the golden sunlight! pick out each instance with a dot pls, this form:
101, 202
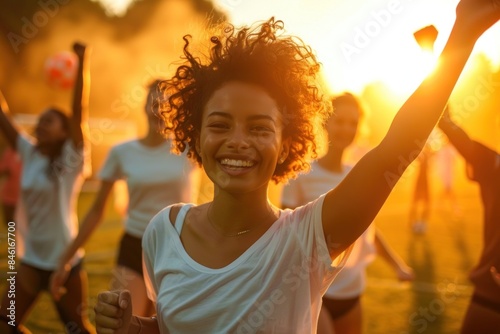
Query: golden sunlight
361, 42
358, 42
115, 7
403, 80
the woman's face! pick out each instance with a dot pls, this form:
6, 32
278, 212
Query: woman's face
241, 139
50, 129
343, 126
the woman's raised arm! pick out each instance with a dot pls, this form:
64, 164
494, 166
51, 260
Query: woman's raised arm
79, 117
6, 126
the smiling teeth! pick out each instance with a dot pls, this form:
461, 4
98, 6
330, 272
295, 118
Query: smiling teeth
236, 163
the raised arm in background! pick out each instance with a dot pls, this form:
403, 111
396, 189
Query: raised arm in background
79, 116
456, 135
7, 128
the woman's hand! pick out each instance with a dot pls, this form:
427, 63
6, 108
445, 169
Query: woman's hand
113, 312
79, 49
57, 280
405, 274
476, 16
495, 274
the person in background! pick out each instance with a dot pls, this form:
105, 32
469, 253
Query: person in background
155, 178
445, 162
483, 167
342, 311
420, 205
54, 166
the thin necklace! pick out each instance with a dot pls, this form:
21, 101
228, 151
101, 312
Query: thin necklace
237, 234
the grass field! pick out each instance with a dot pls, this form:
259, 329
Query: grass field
433, 304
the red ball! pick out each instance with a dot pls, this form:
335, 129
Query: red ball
60, 69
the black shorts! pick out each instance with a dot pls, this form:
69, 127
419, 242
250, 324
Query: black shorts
44, 275
490, 304
339, 307
130, 253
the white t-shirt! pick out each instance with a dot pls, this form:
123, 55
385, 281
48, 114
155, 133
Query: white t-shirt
155, 179
351, 280
275, 286
48, 221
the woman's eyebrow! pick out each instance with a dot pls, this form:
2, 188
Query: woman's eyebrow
261, 117
219, 113
250, 118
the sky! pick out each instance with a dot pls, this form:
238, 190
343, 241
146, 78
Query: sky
358, 41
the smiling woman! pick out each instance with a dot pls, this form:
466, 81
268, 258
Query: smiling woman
241, 116
246, 110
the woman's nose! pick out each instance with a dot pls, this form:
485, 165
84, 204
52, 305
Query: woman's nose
238, 139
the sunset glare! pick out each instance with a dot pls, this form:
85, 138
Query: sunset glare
360, 42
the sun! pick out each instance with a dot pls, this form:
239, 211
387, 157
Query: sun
115, 7
405, 76
397, 61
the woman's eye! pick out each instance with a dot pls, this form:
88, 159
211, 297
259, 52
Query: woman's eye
261, 128
218, 126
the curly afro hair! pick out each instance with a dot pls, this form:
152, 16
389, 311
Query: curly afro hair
282, 65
